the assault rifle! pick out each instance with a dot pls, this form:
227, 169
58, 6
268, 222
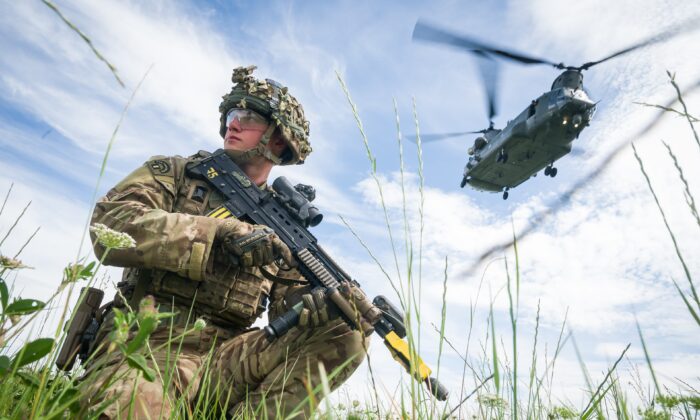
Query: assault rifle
289, 212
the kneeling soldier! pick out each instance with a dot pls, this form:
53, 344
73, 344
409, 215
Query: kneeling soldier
196, 266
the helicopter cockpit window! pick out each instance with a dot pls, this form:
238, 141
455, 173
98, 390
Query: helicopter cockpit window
479, 143
560, 96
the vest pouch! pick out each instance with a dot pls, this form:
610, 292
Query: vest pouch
248, 292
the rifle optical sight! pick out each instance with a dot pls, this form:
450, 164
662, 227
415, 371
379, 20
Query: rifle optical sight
297, 199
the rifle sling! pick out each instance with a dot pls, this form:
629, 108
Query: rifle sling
282, 280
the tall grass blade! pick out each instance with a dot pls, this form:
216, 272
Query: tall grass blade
692, 311
27, 242
679, 97
86, 39
472, 311
443, 318
421, 190
514, 330
586, 375
648, 359
106, 155
406, 225
686, 270
375, 177
514, 309
7, 197
607, 376
470, 395
371, 254
494, 352
14, 224
532, 397
689, 199
668, 109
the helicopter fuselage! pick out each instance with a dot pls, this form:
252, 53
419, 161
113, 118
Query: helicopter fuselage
535, 139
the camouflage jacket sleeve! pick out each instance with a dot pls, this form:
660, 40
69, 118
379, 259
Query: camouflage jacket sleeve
141, 205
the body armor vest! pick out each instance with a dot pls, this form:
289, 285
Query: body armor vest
227, 296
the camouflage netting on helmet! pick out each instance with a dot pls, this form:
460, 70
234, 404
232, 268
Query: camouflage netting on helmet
273, 101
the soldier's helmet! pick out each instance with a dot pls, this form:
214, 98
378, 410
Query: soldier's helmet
272, 100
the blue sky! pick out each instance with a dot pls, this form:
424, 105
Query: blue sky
605, 257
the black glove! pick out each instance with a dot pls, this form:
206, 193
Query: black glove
247, 245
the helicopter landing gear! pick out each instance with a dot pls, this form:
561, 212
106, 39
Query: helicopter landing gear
502, 156
550, 171
505, 193
464, 182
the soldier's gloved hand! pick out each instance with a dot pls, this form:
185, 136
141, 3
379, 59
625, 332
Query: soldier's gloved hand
247, 245
316, 311
361, 306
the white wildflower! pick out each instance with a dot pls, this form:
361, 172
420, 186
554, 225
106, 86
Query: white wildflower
110, 238
199, 324
493, 401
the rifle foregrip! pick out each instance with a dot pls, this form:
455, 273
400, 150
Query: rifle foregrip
280, 325
437, 389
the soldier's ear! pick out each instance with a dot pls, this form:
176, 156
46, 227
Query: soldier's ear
277, 144
277, 140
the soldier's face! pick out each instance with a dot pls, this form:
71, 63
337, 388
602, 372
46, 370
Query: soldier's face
244, 129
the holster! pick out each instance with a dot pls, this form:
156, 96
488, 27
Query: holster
81, 331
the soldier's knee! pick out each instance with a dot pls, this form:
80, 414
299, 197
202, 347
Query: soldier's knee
129, 396
356, 344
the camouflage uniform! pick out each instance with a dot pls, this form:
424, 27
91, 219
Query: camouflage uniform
229, 362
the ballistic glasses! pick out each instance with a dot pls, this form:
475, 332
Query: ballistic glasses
247, 119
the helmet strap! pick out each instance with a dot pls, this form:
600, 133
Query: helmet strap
262, 146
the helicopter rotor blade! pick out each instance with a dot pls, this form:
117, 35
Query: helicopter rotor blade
430, 138
425, 32
488, 70
688, 25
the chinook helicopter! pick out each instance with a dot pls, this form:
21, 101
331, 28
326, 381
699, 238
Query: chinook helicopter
501, 159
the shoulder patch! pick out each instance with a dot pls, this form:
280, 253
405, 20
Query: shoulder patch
164, 170
160, 167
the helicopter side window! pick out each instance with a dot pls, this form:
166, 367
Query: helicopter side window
557, 97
